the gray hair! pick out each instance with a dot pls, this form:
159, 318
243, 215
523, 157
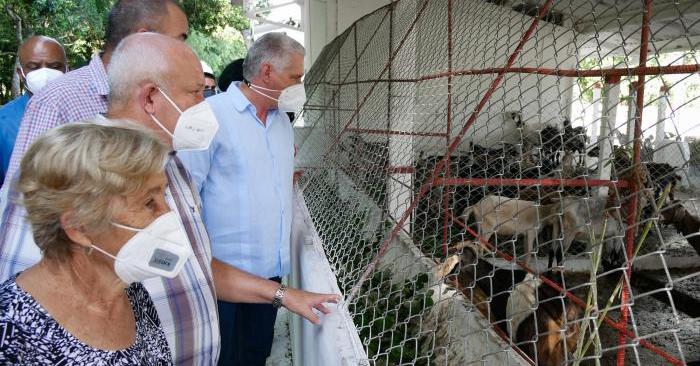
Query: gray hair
140, 57
274, 48
80, 169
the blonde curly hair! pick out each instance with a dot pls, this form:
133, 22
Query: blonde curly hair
80, 169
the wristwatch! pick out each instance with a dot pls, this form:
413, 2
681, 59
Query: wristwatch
279, 296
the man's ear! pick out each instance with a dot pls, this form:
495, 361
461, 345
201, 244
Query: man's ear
75, 234
147, 93
266, 71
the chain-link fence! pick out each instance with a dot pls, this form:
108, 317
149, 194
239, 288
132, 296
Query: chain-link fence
511, 182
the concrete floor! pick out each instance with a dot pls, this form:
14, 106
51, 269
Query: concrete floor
281, 354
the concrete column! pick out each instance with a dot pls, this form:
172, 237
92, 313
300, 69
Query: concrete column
610, 100
314, 19
662, 103
401, 154
595, 124
631, 112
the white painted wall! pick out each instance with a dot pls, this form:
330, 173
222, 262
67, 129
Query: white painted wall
323, 20
335, 342
484, 37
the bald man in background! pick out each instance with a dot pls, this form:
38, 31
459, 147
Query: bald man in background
41, 60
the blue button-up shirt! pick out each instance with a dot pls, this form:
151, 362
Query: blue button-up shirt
10, 117
245, 181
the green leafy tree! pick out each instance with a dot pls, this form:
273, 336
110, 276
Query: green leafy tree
216, 35
218, 49
80, 26
77, 24
211, 16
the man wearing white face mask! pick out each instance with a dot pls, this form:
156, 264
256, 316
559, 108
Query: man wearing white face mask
41, 60
245, 180
155, 81
167, 98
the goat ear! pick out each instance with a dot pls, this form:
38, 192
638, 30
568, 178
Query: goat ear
447, 267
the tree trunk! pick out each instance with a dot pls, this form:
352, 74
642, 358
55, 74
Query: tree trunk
18, 32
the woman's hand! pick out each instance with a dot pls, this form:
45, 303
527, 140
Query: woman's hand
303, 302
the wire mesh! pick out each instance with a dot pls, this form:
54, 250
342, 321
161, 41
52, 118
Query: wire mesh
511, 182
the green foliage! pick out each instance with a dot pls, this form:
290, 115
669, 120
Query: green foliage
77, 24
586, 84
218, 49
389, 318
211, 16
80, 26
592, 63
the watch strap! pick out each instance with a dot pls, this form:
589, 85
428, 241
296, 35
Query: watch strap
279, 296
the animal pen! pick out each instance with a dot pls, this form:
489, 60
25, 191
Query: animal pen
425, 109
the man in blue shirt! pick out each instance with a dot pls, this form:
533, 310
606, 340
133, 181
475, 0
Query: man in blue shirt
41, 59
245, 181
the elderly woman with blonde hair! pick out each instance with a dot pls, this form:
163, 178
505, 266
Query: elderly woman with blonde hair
95, 198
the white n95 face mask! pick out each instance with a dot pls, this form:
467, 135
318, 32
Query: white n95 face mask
195, 129
38, 79
291, 98
160, 249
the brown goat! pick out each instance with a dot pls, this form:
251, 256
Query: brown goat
551, 333
540, 333
685, 222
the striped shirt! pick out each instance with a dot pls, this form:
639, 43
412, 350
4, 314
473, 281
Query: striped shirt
79, 94
186, 305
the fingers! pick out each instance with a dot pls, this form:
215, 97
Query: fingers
310, 316
320, 307
305, 304
331, 298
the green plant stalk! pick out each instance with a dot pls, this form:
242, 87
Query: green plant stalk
618, 288
592, 299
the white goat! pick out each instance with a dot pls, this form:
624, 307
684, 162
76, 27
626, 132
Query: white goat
583, 220
507, 216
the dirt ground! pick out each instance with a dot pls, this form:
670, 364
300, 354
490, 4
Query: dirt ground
659, 316
656, 321
662, 323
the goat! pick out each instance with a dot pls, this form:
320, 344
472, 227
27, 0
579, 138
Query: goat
507, 297
684, 222
539, 334
661, 174
492, 162
575, 139
507, 216
568, 169
581, 220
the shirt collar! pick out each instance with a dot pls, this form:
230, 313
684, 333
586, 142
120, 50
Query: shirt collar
99, 75
240, 102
